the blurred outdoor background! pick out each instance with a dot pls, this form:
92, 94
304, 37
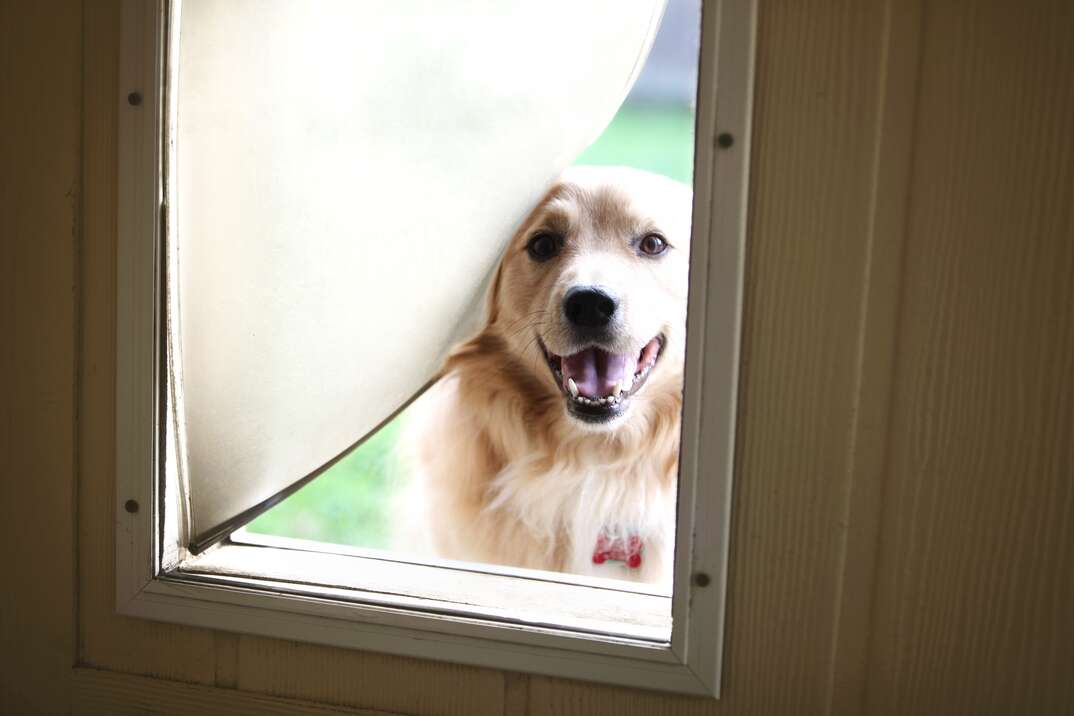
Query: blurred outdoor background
653, 130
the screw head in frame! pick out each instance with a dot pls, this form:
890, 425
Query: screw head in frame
725, 140
134, 99
131, 506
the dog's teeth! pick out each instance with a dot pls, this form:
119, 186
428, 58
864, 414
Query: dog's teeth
572, 387
624, 384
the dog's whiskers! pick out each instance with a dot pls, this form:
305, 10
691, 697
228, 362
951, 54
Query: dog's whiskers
513, 329
527, 316
532, 342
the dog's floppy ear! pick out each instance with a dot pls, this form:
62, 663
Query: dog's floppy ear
492, 299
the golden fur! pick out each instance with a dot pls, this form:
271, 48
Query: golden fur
501, 473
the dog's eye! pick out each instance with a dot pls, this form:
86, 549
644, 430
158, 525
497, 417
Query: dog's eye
653, 245
544, 246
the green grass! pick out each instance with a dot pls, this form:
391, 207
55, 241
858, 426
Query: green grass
345, 505
348, 503
657, 138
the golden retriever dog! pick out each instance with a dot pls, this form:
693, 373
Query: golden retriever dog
551, 440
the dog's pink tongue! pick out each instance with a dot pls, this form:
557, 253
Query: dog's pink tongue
598, 373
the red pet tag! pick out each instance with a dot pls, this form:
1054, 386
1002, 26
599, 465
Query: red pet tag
618, 549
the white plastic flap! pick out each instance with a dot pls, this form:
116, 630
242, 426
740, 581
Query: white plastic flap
347, 174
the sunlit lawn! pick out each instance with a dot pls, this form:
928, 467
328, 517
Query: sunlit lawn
345, 505
657, 138
348, 504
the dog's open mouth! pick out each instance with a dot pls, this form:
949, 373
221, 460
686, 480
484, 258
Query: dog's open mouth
596, 383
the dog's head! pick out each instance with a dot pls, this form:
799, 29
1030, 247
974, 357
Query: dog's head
591, 293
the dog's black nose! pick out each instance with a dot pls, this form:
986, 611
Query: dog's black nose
589, 307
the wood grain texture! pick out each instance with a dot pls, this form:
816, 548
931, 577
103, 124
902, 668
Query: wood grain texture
110, 693
40, 200
975, 590
361, 679
516, 694
877, 333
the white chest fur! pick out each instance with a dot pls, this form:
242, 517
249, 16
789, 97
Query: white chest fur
566, 503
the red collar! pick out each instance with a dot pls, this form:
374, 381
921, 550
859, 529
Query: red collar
618, 549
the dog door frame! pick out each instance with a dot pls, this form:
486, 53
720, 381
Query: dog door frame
156, 576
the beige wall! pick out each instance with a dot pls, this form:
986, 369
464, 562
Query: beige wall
903, 537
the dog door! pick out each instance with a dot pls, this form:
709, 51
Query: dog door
311, 195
